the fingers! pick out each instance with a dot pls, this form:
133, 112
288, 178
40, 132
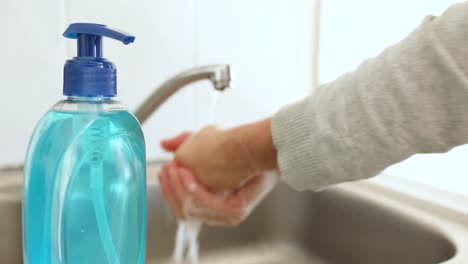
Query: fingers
178, 187
255, 187
189, 199
172, 144
255, 190
168, 191
211, 202
249, 190
200, 196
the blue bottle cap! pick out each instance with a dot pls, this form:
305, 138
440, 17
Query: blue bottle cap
89, 74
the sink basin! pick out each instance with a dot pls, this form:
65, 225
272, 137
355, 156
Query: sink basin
331, 226
347, 224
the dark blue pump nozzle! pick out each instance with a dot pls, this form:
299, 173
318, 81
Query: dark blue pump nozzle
89, 74
90, 37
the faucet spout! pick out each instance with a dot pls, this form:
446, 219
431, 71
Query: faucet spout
219, 75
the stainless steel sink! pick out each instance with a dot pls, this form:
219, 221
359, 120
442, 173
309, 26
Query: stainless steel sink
332, 226
354, 223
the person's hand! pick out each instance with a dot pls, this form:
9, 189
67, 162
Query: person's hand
214, 160
189, 199
223, 160
219, 160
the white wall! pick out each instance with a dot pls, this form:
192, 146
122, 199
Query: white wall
353, 31
269, 43
30, 70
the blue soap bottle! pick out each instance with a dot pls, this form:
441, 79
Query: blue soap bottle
84, 177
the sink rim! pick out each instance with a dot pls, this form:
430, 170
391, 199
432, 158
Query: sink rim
449, 219
448, 222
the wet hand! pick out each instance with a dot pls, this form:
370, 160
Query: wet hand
218, 158
215, 177
190, 199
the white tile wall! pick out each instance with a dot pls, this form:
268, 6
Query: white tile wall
268, 42
352, 31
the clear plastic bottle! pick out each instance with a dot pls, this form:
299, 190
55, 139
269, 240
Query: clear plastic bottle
85, 181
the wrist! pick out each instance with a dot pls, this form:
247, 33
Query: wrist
263, 149
255, 145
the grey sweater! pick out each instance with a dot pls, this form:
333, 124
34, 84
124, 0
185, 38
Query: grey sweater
412, 98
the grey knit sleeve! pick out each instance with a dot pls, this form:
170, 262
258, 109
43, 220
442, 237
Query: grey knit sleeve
412, 98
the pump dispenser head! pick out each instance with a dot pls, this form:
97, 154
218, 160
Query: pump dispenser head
89, 74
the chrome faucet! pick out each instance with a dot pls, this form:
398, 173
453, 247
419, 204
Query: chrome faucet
219, 75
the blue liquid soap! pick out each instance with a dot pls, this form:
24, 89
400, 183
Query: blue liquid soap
84, 196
